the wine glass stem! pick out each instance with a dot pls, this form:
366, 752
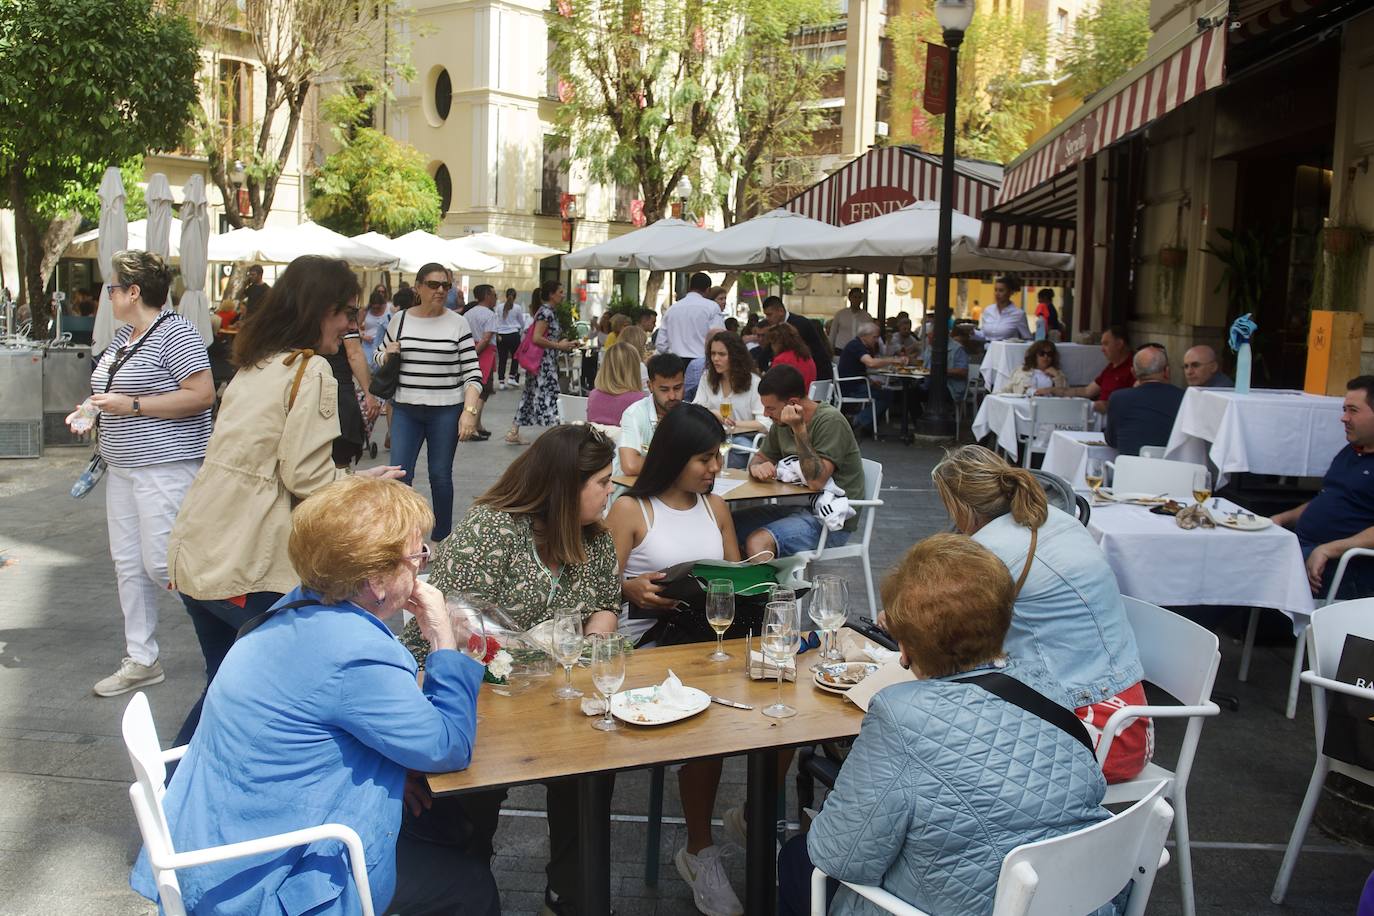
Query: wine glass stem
780, 673
608, 708
720, 643
567, 675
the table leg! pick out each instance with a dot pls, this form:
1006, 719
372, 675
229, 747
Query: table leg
906, 413
761, 813
594, 842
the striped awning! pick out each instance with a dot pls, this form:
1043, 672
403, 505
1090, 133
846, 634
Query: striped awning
889, 178
1036, 208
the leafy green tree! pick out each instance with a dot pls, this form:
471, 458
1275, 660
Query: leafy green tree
1106, 43
84, 84
1003, 87
374, 181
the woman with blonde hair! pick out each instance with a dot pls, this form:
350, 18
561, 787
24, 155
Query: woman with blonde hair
1039, 371
618, 385
1068, 617
316, 718
619, 322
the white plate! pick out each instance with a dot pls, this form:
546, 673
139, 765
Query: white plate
1242, 522
867, 667
639, 707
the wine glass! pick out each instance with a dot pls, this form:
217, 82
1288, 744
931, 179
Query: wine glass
720, 613
608, 672
1202, 485
469, 629
1093, 470
829, 597
781, 627
567, 648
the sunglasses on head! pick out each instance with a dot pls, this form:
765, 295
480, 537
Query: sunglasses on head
439, 285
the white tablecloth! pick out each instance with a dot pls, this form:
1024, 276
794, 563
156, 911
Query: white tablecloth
1081, 362
1157, 561
1068, 453
1005, 415
1262, 431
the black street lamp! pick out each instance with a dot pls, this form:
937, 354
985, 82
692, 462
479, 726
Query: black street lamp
954, 17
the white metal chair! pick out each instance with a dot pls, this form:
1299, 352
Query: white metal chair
1152, 451
866, 398
1070, 874
572, 409
822, 392
146, 793
1153, 476
857, 546
1049, 414
1180, 658
1326, 637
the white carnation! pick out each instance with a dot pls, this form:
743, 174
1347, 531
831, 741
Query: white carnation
501, 664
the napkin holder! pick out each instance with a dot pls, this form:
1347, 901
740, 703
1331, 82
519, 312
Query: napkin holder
760, 668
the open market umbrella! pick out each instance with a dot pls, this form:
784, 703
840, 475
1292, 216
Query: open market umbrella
633, 250
195, 237
159, 235
744, 246
234, 245
503, 247
87, 244
418, 248
114, 236
283, 244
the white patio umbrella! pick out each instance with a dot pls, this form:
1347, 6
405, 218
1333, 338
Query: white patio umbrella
418, 248
501, 246
234, 245
158, 194
283, 244
905, 241
195, 234
114, 236
746, 245
87, 244
632, 250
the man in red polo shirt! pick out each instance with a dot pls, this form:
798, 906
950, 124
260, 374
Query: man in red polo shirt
1118, 374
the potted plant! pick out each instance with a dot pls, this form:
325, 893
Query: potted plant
1172, 257
1340, 268
1342, 240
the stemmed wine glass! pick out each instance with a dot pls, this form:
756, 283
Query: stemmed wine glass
720, 613
469, 629
781, 629
829, 597
1093, 470
1202, 485
567, 648
608, 672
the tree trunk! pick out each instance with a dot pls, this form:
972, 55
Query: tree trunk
731, 278
651, 288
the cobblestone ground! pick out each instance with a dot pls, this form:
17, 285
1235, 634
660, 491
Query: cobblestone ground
68, 837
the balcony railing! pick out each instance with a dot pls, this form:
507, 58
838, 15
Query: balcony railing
546, 201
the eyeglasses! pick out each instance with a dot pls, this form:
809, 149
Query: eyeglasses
421, 558
111, 287
439, 285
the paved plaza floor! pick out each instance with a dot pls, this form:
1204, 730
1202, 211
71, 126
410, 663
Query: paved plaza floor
67, 832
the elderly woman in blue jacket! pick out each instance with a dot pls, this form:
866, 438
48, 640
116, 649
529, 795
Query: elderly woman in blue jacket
946, 776
316, 717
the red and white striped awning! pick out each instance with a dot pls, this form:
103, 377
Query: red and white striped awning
1035, 204
889, 178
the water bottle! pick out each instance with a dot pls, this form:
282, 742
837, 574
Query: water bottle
1243, 368
89, 477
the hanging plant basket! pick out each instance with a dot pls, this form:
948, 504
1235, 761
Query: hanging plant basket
1340, 240
1172, 257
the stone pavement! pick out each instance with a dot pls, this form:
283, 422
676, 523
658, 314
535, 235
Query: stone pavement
67, 833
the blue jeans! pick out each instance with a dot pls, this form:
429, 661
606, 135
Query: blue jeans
794, 530
437, 428
882, 398
217, 624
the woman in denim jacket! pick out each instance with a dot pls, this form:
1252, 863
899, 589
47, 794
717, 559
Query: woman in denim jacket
1069, 617
946, 777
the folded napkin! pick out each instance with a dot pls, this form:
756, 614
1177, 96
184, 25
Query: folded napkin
593, 706
831, 505
858, 648
761, 669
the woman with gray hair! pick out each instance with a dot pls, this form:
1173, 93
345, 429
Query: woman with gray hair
153, 391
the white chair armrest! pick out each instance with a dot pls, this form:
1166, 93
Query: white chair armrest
1341, 565
303, 837
175, 753
1126, 714
889, 902
1316, 680
865, 502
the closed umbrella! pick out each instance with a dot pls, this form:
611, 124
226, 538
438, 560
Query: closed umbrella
632, 250
114, 236
159, 198
744, 246
195, 238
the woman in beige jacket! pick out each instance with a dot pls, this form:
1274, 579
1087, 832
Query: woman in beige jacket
271, 448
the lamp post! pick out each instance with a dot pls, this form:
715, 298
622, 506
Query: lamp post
954, 17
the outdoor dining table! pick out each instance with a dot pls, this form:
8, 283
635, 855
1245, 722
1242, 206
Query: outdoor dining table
903, 381
534, 737
1081, 363
736, 485
1068, 452
1263, 431
1007, 415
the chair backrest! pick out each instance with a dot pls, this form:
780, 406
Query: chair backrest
1081, 871
822, 392
1153, 476
1060, 413
873, 488
1330, 626
146, 794
572, 408
1057, 490
1178, 656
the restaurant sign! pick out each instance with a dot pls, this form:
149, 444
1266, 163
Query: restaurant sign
1073, 144
871, 202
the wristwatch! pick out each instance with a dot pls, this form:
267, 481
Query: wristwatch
471, 410
138, 411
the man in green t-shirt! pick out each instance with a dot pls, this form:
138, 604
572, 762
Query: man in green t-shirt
824, 444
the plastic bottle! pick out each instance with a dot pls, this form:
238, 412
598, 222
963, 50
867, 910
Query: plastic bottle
1243, 368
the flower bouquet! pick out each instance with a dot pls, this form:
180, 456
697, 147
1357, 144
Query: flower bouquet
512, 656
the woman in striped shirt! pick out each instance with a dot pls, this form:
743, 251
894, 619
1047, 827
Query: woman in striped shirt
436, 400
152, 386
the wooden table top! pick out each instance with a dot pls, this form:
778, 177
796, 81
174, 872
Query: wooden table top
751, 489
536, 736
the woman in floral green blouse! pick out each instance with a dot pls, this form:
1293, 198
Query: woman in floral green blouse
531, 544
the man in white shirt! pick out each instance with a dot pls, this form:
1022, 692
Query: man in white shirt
845, 324
481, 316
640, 419
686, 323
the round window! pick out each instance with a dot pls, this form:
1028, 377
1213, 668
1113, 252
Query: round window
443, 94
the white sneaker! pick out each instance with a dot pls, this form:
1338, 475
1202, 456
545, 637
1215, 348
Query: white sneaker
736, 828
130, 676
705, 874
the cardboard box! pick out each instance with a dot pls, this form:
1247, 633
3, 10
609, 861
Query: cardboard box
1333, 351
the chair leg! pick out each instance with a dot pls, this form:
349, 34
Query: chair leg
1184, 852
1249, 647
1295, 678
868, 582
1304, 821
653, 837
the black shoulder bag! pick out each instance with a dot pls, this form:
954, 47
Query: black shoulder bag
387, 377
1032, 701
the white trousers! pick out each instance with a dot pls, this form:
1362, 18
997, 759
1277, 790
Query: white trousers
141, 505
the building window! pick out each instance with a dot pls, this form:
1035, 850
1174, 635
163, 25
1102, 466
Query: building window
235, 97
554, 175
443, 95
551, 76
444, 183
624, 194
1062, 23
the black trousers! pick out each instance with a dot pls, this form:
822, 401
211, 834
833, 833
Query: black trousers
436, 880
506, 345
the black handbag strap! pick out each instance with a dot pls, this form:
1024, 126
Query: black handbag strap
254, 622
1032, 701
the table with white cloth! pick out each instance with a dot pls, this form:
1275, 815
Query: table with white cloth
1159, 562
1263, 431
1006, 415
1081, 363
1068, 452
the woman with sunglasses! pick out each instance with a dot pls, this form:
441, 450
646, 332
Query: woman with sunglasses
153, 389
436, 401
539, 402
1039, 371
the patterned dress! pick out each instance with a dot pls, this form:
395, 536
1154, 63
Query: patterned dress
539, 402
491, 554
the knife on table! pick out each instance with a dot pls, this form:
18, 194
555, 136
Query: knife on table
724, 702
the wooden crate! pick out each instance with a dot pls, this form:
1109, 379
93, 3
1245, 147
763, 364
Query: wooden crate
1333, 351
